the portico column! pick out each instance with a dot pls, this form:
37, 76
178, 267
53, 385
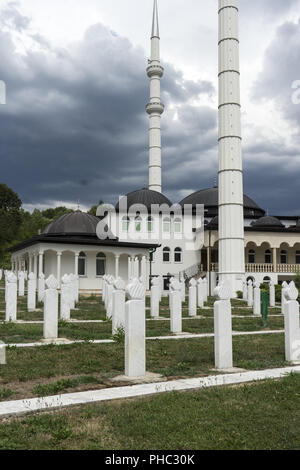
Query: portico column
117, 258
58, 256
76, 264
132, 266
274, 260
41, 254
129, 268
35, 259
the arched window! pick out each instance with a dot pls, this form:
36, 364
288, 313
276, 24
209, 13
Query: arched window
178, 255
125, 224
100, 264
297, 257
268, 257
177, 225
166, 225
150, 223
283, 257
166, 255
251, 257
267, 280
138, 223
82, 264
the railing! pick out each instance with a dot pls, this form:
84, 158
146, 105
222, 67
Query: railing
265, 268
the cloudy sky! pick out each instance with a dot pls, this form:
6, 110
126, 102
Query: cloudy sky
75, 128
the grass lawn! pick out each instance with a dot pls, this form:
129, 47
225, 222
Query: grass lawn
31, 367
261, 416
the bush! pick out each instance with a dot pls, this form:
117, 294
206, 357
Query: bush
239, 294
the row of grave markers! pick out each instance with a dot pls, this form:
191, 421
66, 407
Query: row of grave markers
131, 314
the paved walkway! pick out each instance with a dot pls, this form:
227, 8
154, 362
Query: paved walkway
22, 407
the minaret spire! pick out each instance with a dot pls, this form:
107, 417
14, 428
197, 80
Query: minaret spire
155, 108
155, 26
231, 208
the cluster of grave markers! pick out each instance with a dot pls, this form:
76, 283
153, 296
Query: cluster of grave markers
130, 316
252, 294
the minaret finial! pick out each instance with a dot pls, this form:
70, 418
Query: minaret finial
155, 26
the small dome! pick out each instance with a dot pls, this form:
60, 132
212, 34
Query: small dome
210, 199
268, 221
147, 197
75, 222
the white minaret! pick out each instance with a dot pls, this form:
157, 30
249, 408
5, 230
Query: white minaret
231, 209
155, 108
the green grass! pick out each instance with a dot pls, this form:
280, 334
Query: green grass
63, 385
261, 416
30, 367
5, 393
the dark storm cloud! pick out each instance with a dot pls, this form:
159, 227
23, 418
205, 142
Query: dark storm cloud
75, 126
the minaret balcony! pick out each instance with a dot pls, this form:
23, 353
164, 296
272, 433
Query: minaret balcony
155, 70
156, 107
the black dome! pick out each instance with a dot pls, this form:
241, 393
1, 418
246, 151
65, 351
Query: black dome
210, 199
147, 197
74, 222
268, 221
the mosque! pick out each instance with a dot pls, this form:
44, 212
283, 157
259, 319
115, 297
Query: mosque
147, 235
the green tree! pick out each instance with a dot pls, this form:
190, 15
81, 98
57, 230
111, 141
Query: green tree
10, 219
93, 209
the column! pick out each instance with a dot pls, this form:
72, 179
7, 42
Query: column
35, 269
117, 258
76, 264
41, 255
58, 255
30, 263
274, 260
129, 268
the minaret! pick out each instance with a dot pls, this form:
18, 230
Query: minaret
231, 209
155, 108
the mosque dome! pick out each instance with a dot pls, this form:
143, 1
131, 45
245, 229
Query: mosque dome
73, 223
146, 197
268, 221
210, 199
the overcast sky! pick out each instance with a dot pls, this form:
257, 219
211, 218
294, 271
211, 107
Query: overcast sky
75, 127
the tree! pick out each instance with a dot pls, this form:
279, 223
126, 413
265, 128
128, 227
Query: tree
93, 209
10, 217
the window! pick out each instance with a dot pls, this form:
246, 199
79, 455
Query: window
283, 257
178, 255
267, 280
150, 224
166, 225
82, 264
138, 224
100, 264
125, 224
251, 257
166, 255
268, 257
177, 226
297, 257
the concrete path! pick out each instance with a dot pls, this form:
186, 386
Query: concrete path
61, 342
23, 407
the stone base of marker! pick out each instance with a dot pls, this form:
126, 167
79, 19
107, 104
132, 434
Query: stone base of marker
231, 370
149, 377
223, 327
